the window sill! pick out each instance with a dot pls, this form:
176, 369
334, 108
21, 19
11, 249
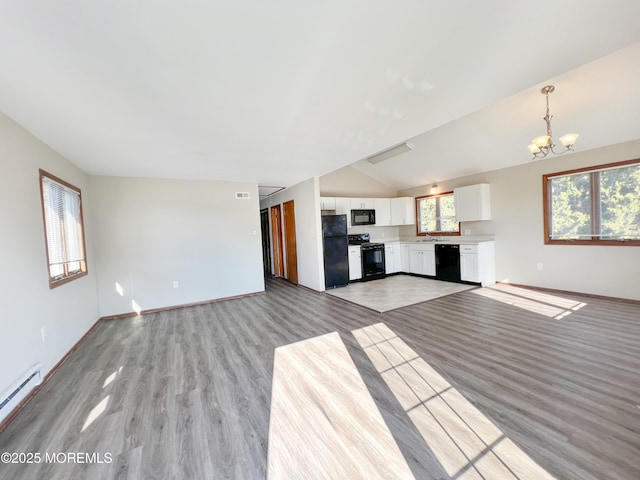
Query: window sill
56, 283
610, 243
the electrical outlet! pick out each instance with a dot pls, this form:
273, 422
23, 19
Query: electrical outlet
43, 331
539, 265
176, 284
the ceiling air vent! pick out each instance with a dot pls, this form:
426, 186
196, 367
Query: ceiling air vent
242, 195
390, 153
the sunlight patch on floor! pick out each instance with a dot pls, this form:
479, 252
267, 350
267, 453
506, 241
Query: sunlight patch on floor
324, 422
467, 444
95, 412
112, 377
537, 302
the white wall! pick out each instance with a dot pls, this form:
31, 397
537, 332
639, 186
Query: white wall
516, 207
28, 304
150, 233
349, 182
306, 197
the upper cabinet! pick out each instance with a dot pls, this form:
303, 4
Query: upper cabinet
343, 207
382, 207
403, 211
473, 203
327, 203
389, 211
362, 204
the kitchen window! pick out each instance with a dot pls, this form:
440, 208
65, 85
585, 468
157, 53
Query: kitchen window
63, 228
436, 215
593, 206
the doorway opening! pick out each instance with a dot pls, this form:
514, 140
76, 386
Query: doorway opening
266, 243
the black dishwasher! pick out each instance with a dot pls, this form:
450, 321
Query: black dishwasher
448, 262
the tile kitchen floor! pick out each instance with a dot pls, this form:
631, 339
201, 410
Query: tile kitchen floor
396, 291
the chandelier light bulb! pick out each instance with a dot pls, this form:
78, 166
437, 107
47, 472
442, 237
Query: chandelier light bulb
569, 139
542, 141
534, 149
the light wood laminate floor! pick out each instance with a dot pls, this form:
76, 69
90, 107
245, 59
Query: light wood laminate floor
186, 394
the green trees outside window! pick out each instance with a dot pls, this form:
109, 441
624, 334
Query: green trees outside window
437, 214
595, 205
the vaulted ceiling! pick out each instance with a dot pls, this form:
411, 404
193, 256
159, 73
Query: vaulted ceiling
277, 92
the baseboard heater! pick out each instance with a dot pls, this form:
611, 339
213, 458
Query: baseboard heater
31, 378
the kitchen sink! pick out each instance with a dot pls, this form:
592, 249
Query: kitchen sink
432, 240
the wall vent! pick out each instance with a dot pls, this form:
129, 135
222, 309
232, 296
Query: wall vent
30, 378
242, 196
390, 153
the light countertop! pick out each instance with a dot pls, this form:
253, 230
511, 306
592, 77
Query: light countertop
446, 240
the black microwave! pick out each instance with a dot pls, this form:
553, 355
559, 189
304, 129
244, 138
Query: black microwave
363, 217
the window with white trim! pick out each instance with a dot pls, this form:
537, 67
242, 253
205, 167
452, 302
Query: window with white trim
436, 214
595, 205
64, 229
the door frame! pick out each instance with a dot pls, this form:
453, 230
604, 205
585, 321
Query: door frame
276, 237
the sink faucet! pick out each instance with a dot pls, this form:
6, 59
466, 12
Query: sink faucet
435, 238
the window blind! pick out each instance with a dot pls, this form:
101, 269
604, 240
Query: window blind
63, 224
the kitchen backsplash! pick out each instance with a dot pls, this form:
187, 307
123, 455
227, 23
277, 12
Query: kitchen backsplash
376, 232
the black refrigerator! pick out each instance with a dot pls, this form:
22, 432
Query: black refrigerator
335, 245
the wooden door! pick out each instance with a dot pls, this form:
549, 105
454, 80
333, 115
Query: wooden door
290, 249
276, 238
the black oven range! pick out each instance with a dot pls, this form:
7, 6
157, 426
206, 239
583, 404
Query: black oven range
372, 255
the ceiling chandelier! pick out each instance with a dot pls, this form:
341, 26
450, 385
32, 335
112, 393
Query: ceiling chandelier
541, 146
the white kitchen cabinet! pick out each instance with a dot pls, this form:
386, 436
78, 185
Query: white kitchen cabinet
469, 263
473, 203
415, 261
362, 204
477, 263
392, 258
343, 207
404, 257
355, 263
389, 259
382, 207
422, 259
429, 262
403, 211
327, 203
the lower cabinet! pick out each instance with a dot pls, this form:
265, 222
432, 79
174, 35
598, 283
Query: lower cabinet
422, 259
355, 263
404, 257
392, 258
477, 263
469, 264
